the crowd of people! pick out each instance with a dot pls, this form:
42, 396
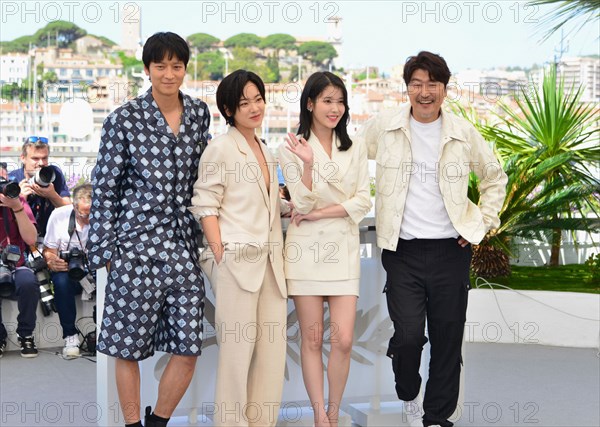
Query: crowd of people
36, 242
166, 206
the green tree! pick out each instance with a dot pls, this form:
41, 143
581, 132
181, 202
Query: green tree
10, 91
362, 76
293, 73
568, 11
278, 42
243, 59
130, 63
317, 52
548, 144
202, 41
273, 75
209, 66
243, 40
61, 32
19, 45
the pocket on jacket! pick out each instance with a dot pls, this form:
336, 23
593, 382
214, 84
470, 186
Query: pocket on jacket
386, 175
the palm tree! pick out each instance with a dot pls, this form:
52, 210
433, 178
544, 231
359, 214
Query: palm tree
547, 145
549, 125
567, 11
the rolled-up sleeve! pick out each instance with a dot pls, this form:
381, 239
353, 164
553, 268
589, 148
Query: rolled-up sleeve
360, 204
304, 199
211, 183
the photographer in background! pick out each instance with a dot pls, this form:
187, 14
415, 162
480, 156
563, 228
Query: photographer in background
17, 230
44, 186
67, 235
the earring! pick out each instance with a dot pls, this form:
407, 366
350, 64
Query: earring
309, 109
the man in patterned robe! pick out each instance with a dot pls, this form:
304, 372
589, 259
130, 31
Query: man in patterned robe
142, 231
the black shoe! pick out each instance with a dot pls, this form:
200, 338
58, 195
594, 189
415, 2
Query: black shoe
445, 423
2, 348
28, 347
152, 420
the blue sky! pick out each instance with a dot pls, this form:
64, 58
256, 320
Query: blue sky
469, 34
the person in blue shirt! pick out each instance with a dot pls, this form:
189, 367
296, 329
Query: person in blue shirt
42, 199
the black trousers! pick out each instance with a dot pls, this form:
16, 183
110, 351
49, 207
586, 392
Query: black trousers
428, 279
27, 295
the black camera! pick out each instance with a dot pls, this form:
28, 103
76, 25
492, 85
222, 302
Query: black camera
10, 189
77, 261
40, 269
9, 258
43, 177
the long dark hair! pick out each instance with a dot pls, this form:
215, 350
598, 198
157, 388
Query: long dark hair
315, 85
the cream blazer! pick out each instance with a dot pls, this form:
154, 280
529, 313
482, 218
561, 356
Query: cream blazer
231, 186
463, 150
327, 249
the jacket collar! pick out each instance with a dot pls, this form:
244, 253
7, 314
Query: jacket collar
450, 130
331, 170
244, 148
156, 119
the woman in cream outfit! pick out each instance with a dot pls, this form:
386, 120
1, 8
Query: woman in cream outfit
327, 176
237, 198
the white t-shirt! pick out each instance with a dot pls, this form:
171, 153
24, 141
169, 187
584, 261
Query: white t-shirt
57, 232
425, 216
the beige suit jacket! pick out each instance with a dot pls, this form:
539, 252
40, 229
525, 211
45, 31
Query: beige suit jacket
327, 249
231, 186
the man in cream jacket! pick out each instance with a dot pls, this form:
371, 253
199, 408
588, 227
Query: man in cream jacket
425, 226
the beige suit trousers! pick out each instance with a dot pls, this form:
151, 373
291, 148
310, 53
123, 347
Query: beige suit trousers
251, 333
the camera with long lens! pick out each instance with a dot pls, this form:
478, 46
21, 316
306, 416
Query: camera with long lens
76, 259
43, 177
10, 189
39, 267
9, 257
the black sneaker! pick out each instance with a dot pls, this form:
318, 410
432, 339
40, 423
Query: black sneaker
2, 348
28, 347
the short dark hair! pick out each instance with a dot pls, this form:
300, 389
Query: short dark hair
231, 90
164, 44
315, 85
434, 64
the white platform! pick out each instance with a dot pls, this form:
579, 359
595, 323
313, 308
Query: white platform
560, 319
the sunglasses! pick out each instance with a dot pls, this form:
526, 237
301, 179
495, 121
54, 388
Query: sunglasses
34, 139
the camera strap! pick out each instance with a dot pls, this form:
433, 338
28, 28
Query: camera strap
72, 228
6, 212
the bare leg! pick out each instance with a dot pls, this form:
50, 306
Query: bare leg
174, 382
343, 314
127, 374
310, 316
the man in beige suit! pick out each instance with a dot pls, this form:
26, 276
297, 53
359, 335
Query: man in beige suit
237, 198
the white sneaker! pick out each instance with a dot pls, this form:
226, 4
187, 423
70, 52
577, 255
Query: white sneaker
71, 348
413, 412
